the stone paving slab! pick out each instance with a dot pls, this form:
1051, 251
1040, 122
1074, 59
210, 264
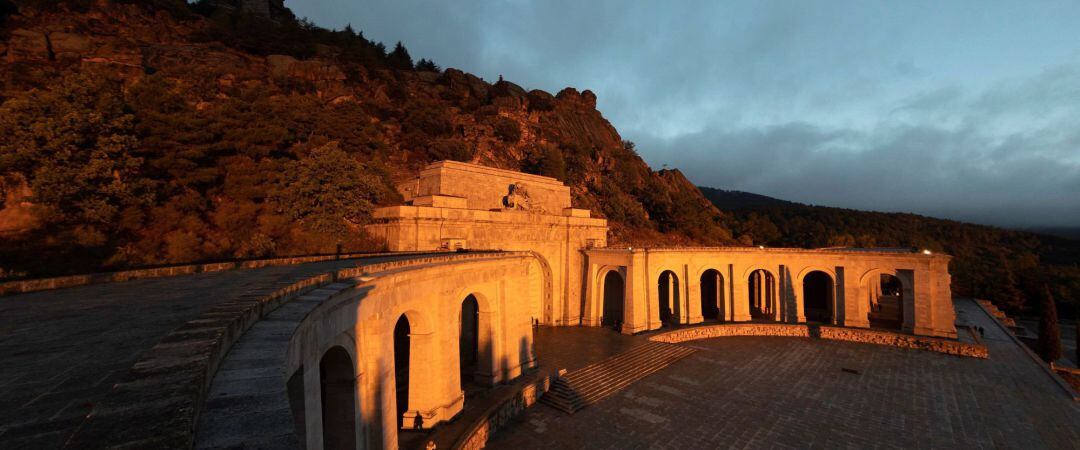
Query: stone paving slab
64, 349
774, 392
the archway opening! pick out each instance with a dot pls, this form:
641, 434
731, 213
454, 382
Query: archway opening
401, 367
712, 295
886, 302
295, 388
614, 290
468, 339
338, 392
762, 295
669, 298
818, 297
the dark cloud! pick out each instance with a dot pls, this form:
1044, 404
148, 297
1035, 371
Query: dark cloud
965, 110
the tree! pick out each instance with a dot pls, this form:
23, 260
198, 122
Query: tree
544, 159
1004, 292
427, 65
327, 189
75, 146
399, 58
507, 130
1049, 347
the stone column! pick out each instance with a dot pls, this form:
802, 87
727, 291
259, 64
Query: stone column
740, 298
693, 300
313, 404
797, 291
431, 393
852, 305
594, 298
488, 372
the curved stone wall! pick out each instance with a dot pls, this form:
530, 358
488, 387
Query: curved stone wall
286, 350
877, 337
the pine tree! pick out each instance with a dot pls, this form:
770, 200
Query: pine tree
1049, 347
427, 65
399, 58
1004, 292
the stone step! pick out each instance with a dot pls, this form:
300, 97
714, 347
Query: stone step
595, 382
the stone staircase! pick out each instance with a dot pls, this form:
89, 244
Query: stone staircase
590, 384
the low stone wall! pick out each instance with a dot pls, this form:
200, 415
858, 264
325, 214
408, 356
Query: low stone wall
500, 415
158, 404
44, 284
825, 332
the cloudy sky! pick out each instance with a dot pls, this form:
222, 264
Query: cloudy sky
962, 109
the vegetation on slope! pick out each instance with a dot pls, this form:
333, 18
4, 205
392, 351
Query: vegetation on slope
1006, 266
162, 132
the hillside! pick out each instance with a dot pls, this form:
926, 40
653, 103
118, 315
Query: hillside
1006, 266
137, 133
161, 132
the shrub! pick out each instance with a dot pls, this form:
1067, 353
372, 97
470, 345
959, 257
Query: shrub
507, 130
451, 149
544, 159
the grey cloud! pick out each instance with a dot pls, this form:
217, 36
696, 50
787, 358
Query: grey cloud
916, 106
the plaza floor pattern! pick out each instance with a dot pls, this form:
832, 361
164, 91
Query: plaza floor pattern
773, 392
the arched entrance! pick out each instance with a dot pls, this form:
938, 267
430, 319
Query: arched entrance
762, 295
402, 348
338, 393
818, 297
614, 290
468, 338
712, 295
669, 298
886, 302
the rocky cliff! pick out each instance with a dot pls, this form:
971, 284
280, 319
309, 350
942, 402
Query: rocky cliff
215, 107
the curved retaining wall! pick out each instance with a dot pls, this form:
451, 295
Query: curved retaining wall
825, 332
44, 284
159, 404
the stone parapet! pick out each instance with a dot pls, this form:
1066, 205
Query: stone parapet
44, 284
825, 332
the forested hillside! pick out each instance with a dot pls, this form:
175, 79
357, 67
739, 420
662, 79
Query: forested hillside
138, 133
142, 133
1006, 266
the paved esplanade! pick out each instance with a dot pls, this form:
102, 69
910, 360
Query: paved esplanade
62, 350
773, 392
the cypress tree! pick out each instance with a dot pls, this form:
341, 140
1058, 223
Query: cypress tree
1049, 335
399, 58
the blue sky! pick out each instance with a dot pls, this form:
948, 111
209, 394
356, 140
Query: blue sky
966, 110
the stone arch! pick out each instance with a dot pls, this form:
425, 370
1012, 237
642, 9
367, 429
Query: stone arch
547, 304
887, 307
337, 381
669, 298
611, 286
476, 337
711, 285
818, 291
763, 296
413, 345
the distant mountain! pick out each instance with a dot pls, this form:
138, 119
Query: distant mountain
730, 200
1065, 232
1006, 266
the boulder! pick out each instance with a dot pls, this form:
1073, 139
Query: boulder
27, 45
588, 98
69, 45
541, 100
505, 88
569, 94
279, 65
